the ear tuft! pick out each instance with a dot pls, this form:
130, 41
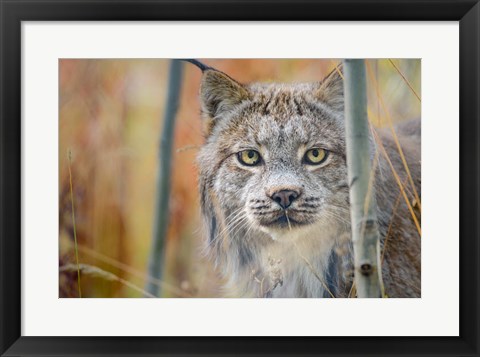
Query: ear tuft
330, 89
220, 94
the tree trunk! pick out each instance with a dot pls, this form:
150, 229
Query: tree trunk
365, 235
157, 253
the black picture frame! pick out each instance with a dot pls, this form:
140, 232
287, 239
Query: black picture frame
13, 12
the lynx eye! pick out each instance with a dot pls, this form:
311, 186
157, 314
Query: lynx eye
249, 157
315, 156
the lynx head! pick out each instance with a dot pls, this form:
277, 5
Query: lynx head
274, 157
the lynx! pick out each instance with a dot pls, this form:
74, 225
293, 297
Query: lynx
275, 194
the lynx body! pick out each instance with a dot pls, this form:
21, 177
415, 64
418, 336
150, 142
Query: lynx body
275, 196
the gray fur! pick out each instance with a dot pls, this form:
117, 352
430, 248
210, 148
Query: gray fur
310, 254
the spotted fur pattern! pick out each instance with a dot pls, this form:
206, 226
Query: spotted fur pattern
263, 250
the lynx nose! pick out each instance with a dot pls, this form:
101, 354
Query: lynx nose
285, 197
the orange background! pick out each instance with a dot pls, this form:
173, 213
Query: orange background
111, 114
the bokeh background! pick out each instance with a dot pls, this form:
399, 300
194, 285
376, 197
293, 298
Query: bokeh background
110, 122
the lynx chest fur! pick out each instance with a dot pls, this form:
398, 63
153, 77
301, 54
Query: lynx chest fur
275, 196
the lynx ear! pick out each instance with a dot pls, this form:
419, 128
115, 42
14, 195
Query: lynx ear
219, 94
330, 90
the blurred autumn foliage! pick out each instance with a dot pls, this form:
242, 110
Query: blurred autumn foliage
111, 115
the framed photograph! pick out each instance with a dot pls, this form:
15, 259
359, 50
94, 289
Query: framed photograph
239, 178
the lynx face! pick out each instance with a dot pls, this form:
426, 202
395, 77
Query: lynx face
274, 160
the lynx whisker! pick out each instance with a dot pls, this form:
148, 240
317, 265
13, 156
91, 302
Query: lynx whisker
288, 220
233, 218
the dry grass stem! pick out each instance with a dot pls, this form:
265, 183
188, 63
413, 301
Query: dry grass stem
400, 185
96, 272
314, 272
405, 79
387, 236
128, 269
394, 135
74, 225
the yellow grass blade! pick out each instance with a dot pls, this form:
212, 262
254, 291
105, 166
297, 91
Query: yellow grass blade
405, 79
395, 137
387, 236
399, 183
338, 69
